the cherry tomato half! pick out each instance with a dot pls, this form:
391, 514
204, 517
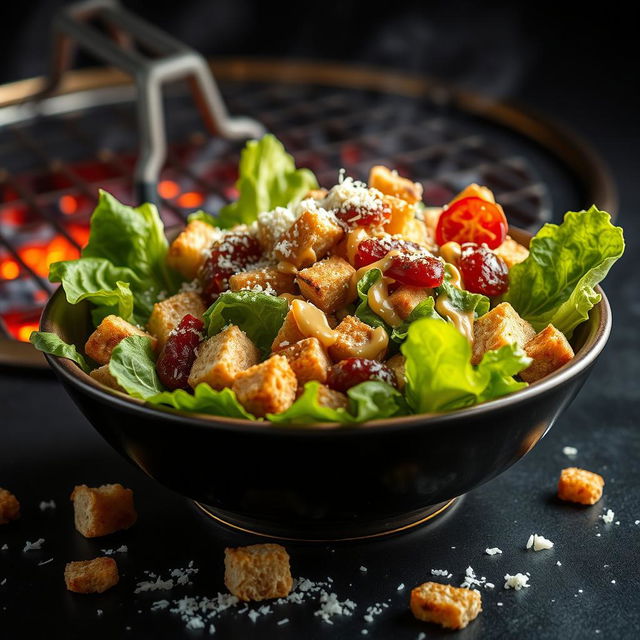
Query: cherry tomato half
472, 220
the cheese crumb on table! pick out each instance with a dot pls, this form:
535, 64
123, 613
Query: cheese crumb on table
44, 505
33, 546
492, 551
608, 516
539, 543
569, 451
517, 582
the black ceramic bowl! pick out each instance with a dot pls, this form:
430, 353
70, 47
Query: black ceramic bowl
325, 482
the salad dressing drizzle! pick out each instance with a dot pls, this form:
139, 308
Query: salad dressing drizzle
462, 320
378, 298
287, 267
450, 252
374, 347
354, 238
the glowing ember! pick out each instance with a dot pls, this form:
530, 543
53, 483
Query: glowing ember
168, 189
68, 204
190, 200
25, 331
9, 269
39, 257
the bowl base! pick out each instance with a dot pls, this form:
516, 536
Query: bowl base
391, 528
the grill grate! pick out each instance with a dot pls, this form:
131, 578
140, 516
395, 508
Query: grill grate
52, 165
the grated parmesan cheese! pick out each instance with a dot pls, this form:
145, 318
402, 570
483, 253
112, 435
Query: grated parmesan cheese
33, 546
47, 505
492, 551
441, 572
517, 582
363, 569
570, 451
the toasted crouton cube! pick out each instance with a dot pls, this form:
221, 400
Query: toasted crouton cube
580, 485
268, 387
405, 299
327, 284
9, 507
221, 358
257, 572
91, 576
450, 607
188, 251
99, 511
401, 214
103, 376
308, 360
166, 315
267, 279
110, 332
308, 239
499, 327
288, 334
511, 252
391, 184
352, 335
272, 224
549, 350
331, 398
397, 365
417, 231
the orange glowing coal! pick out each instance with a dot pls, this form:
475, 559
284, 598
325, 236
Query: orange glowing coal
190, 200
23, 332
68, 204
9, 269
168, 189
39, 257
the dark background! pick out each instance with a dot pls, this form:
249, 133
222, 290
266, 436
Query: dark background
579, 68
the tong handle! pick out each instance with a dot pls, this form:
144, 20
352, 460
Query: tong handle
159, 58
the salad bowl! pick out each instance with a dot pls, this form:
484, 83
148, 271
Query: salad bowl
325, 482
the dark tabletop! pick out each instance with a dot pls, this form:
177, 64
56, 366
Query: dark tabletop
46, 447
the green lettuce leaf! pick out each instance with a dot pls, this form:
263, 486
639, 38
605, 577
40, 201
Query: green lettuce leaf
461, 299
367, 401
203, 400
259, 315
440, 376
54, 345
555, 284
203, 216
133, 365
100, 282
122, 269
424, 309
268, 179
363, 310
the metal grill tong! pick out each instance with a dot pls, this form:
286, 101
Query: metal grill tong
153, 58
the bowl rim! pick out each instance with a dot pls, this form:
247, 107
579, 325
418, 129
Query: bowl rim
586, 355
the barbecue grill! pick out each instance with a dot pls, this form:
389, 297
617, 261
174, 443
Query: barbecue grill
58, 150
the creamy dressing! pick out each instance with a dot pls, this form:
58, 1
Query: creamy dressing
378, 298
354, 238
450, 252
462, 320
287, 267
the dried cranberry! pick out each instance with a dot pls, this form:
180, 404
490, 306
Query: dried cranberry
363, 216
373, 249
179, 352
416, 270
347, 373
482, 270
234, 253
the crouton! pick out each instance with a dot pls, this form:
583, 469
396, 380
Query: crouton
396, 364
268, 387
580, 485
430, 216
499, 327
391, 184
308, 360
110, 332
221, 358
450, 607
266, 279
257, 572
288, 334
91, 576
309, 239
9, 507
166, 315
331, 398
511, 252
549, 350
99, 511
103, 376
405, 299
401, 214
475, 191
188, 251
272, 224
416, 231
351, 335
327, 284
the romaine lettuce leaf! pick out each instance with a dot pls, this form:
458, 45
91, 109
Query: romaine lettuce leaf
268, 179
133, 365
100, 282
122, 269
203, 400
555, 284
462, 299
51, 343
367, 401
259, 315
440, 376
424, 309
203, 216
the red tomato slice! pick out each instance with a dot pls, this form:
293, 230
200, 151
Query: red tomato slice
472, 220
